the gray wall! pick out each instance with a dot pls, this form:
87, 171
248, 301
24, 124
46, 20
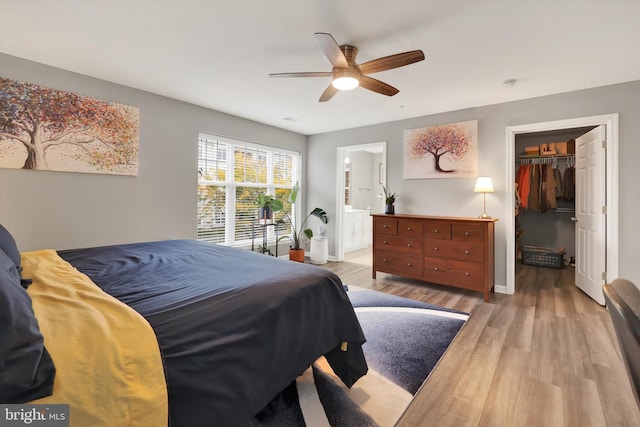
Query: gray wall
67, 210
455, 196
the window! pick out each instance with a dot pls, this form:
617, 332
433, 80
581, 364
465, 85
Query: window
231, 174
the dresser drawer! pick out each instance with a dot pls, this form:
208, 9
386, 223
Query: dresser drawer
451, 249
399, 263
466, 275
386, 226
437, 230
399, 244
468, 232
409, 228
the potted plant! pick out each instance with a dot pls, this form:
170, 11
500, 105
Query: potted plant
268, 205
389, 200
296, 252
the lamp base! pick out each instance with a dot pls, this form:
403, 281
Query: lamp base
484, 207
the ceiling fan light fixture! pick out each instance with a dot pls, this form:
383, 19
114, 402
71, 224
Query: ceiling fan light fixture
347, 74
345, 80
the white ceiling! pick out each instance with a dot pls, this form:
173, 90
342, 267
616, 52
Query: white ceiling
218, 54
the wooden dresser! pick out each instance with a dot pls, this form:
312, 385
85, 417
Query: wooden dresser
444, 250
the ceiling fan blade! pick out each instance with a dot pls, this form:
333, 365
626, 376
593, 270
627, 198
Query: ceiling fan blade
377, 86
332, 50
303, 74
390, 62
328, 93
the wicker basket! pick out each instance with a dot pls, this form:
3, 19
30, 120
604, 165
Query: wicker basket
542, 257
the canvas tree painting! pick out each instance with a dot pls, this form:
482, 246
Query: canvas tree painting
48, 129
442, 151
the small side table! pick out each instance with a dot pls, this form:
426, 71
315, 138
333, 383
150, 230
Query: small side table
265, 228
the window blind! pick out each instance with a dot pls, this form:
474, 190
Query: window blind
231, 175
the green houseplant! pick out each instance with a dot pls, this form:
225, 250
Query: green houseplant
389, 200
268, 205
296, 252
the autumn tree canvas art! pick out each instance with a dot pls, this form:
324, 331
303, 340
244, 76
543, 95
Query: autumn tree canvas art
442, 151
49, 129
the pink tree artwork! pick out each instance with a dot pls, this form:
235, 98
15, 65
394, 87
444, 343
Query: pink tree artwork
441, 151
49, 129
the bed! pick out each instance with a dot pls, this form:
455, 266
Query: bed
226, 330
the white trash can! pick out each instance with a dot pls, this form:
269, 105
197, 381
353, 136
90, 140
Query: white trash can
319, 250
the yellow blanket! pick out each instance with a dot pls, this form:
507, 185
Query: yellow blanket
108, 364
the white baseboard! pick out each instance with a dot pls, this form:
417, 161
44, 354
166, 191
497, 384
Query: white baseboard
500, 289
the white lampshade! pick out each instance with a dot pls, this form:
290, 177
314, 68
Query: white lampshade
345, 80
483, 185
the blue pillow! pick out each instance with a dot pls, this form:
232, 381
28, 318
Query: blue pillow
26, 369
9, 247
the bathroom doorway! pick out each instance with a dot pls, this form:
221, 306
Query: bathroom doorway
361, 173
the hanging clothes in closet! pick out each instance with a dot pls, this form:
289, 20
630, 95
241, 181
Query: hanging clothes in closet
569, 183
548, 188
534, 192
541, 184
523, 179
559, 182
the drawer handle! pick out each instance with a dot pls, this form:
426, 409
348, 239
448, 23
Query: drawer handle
384, 242
408, 264
385, 227
384, 260
466, 252
466, 274
409, 228
408, 245
435, 268
435, 249
435, 231
466, 233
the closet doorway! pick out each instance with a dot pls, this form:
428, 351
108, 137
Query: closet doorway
557, 227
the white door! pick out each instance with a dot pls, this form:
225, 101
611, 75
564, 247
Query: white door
591, 215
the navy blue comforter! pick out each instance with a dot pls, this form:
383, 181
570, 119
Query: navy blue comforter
234, 327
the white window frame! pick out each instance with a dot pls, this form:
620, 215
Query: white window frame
231, 186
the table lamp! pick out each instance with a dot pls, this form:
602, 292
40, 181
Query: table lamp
484, 186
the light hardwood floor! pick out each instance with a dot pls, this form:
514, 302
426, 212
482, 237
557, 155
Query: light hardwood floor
545, 356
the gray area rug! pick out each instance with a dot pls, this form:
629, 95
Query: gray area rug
405, 341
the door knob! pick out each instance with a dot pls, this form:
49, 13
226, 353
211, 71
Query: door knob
574, 219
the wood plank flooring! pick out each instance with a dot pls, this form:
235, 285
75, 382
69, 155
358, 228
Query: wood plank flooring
545, 356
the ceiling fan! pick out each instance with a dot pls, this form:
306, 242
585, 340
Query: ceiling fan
347, 74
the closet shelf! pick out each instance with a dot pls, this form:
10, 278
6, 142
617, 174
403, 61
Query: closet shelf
539, 160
